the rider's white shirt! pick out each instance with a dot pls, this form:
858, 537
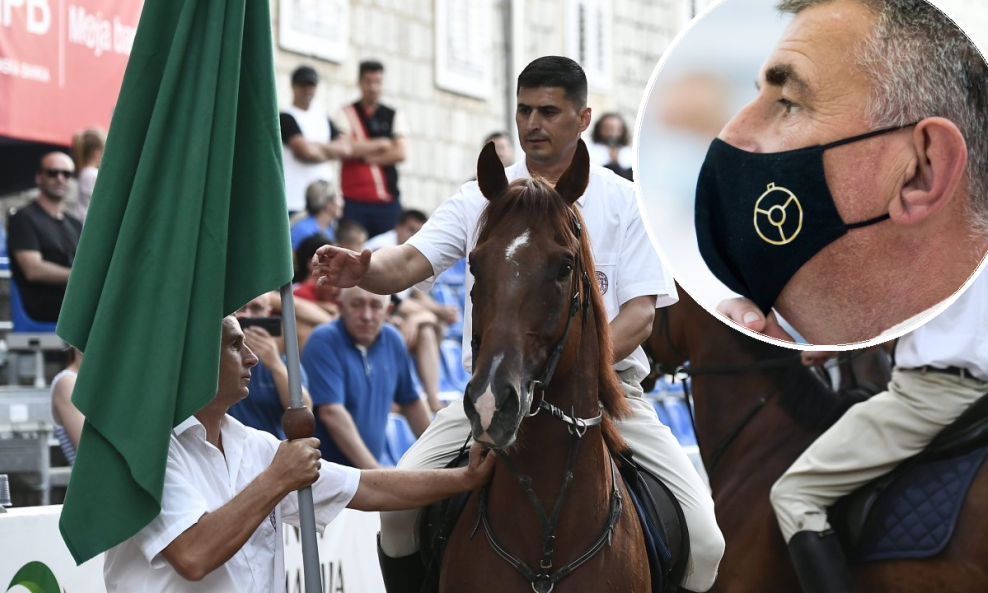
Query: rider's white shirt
627, 263
956, 337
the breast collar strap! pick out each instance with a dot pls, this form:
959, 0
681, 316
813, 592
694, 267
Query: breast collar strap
545, 579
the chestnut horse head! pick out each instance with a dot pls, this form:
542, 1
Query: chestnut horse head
533, 301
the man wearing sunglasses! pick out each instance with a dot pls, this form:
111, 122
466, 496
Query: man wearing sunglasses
42, 240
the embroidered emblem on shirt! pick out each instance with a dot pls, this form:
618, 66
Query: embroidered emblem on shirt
602, 282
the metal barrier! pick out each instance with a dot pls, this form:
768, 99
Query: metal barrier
26, 436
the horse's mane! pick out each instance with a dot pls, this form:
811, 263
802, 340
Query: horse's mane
804, 397
536, 200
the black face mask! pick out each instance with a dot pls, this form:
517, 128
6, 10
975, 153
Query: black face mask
760, 217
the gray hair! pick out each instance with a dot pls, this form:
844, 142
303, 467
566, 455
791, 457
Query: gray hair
922, 65
319, 193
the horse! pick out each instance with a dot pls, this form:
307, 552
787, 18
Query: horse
756, 409
556, 515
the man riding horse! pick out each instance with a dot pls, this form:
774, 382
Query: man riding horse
942, 369
551, 114
896, 93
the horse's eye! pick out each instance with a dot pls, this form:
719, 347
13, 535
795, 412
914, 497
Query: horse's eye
565, 271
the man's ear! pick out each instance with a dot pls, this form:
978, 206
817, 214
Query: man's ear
585, 117
941, 154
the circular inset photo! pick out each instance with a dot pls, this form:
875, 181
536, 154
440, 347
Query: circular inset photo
816, 171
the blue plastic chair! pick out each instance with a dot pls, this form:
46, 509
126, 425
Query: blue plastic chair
660, 410
450, 289
679, 421
23, 323
452, 376
399, 437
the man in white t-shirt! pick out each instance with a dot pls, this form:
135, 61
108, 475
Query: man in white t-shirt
228, 488
551, 114
942, 368
309, 141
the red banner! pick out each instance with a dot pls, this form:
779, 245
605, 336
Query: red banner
61, 64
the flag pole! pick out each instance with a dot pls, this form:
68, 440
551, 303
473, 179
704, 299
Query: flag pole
299, 423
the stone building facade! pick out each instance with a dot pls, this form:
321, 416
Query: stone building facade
625, 38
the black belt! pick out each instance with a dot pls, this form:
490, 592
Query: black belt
955, 371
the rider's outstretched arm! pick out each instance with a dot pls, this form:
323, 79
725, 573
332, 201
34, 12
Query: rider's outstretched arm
393, 269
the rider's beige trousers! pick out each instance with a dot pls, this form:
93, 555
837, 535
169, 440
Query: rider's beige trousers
871, 439
655, 448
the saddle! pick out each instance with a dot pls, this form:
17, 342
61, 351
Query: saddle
661, 516
667, 538
911, 512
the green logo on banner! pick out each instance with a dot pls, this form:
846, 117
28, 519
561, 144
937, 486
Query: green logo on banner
36, 577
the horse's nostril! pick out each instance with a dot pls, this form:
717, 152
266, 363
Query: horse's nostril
510, 403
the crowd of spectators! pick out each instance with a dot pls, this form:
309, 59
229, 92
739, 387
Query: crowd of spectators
341, 188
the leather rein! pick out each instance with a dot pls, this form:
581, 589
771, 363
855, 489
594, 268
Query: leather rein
544, 579
686, 371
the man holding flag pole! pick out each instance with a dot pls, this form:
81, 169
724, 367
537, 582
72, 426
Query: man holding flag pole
187, 223
228, 491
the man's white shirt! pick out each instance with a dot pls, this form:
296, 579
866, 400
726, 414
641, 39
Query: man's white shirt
957, 337
200, 479
298, 173
627, 264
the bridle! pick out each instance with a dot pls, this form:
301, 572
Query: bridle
545, 579
575, 305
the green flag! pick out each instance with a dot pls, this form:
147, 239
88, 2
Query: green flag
187, 223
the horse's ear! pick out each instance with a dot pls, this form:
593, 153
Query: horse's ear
490, 173
573, 182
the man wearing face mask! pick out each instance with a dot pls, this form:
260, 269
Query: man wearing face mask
869, 188
852, 194
42, 241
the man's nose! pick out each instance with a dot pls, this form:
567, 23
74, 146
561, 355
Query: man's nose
741, 131
532, 122
250, 359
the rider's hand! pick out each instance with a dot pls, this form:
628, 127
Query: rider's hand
744, 312
339, 267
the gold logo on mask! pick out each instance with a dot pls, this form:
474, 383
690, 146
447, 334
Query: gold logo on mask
779, 205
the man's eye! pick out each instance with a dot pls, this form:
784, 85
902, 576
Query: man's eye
787, 106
